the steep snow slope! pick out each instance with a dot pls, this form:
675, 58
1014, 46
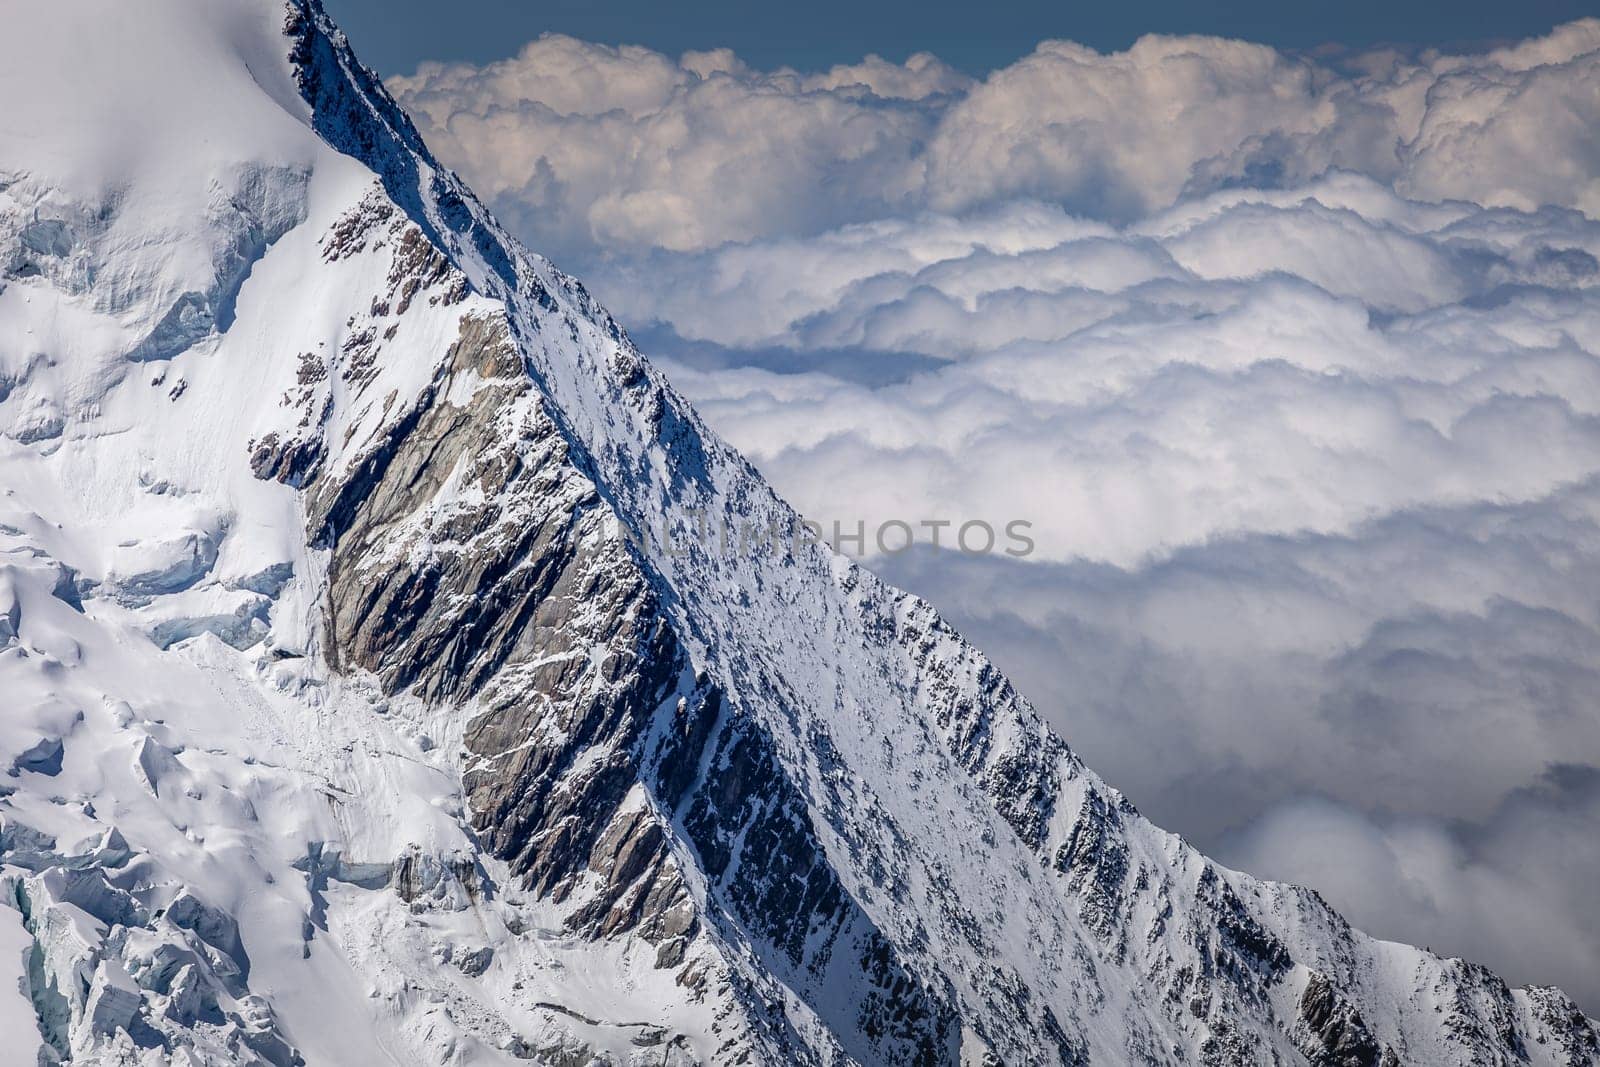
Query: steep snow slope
360, 709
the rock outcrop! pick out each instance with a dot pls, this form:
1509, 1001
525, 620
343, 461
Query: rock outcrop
394, 703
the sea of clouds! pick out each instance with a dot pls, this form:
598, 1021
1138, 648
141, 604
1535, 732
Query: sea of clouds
1292, 361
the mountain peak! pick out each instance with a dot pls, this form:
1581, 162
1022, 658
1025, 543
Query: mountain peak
374, 691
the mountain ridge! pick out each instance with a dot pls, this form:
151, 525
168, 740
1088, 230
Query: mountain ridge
680, 762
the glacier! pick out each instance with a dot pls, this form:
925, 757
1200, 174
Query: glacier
359, 707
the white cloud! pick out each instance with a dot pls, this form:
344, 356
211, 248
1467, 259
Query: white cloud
1469, 894
591, 148
1293, 364
1402, 716
586, 146
1274, 365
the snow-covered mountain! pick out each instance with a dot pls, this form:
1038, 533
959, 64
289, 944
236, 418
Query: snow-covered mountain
368, 699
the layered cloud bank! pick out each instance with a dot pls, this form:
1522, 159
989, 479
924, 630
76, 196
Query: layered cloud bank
592, 147
1293, 364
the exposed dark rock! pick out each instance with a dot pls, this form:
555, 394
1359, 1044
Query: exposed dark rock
649, 774
474, 963
1334, 1034
747, 824
1095, 859
541, 610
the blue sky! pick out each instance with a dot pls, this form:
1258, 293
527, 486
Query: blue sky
395, 35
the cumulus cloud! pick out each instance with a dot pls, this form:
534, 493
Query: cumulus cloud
1402, 716
1274, 363
1293, 364
1466, 893
585, 146
1313, 482
590, 148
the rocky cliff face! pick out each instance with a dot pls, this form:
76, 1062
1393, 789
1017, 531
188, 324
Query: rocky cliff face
425, 740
